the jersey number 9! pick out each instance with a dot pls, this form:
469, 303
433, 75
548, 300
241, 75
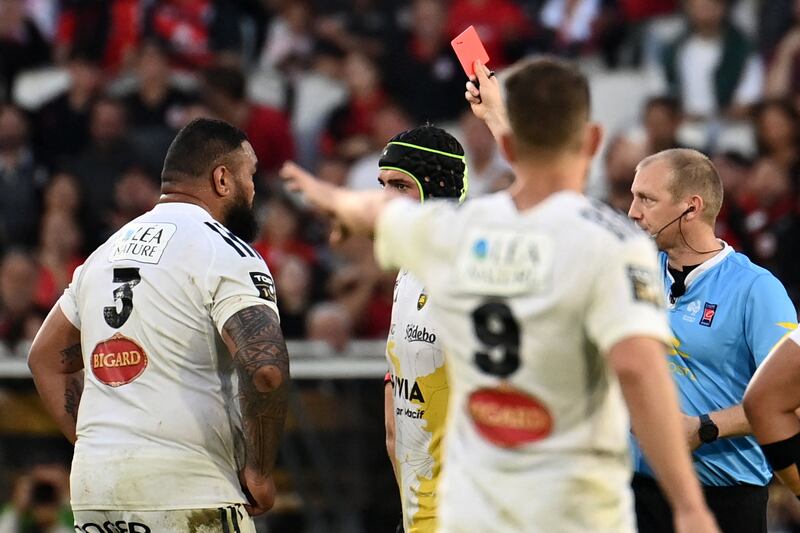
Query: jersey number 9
498, 330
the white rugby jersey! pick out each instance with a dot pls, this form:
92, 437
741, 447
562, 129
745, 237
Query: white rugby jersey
419, 384
158, 423
527, 304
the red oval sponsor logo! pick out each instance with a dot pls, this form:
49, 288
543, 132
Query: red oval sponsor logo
509, 418
118, 360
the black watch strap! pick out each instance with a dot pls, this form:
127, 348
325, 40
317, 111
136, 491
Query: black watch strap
708, 432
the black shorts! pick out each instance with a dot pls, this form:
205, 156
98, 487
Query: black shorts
738, 508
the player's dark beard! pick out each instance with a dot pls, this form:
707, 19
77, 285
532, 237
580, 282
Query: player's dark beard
241, 220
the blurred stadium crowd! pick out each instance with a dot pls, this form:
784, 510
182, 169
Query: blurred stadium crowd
92, 92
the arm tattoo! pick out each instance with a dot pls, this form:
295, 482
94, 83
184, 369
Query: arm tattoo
72, 357
72, 394
257, 342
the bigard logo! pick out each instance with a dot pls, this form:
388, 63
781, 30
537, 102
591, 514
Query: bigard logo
118, 361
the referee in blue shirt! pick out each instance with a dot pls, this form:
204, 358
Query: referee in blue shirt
726, 314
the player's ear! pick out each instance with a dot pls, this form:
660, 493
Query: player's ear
507, 148
593, 138
221, 180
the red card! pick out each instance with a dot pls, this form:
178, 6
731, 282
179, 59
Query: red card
469, 48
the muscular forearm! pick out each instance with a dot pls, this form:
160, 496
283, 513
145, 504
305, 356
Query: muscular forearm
359, 210
56, 363
498, 124
254, 338
731, 422
263, 417
650, 395
61, 395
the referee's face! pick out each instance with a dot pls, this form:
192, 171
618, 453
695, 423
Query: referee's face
653, 207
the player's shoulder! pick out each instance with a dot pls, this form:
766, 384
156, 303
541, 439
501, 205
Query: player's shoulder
602, 221
486, 203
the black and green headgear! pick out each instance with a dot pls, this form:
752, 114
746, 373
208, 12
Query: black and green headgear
433, 158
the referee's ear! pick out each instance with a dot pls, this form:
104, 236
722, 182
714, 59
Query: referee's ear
221, 180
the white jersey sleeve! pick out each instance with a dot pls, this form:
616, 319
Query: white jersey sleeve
69, 300
627, 299
409, 235
234, 283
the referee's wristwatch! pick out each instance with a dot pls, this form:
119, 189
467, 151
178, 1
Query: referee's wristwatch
708, 431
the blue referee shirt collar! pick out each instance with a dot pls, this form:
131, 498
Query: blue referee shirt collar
705, 266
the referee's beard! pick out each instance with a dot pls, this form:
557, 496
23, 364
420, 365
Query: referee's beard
240, 219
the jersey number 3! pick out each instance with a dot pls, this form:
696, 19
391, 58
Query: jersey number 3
129, 277
498, 330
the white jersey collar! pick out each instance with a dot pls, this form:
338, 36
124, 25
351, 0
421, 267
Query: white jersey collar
185, 208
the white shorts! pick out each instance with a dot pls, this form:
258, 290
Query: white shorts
230, 519
574, 495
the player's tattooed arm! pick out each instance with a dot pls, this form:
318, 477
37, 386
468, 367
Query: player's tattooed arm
56, 363
254, 338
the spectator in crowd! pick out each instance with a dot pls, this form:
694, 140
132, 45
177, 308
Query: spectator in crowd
63, 123
39, 502
568, 25
386, 123
295, 296
101, 165
775, 20
20, 317
712, 67
156, 102
290, 40
734, 170
662, 119
488, 171
768, 206
365, 26
777, 127
22, 179
134, 194
333, 170
62, 194
350, 125
107, 31
267, 128
195, 31
365, 291
21, 45
421, 70
279, 237
501, 25
783, 77
622, 156
330, 322
59, 254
